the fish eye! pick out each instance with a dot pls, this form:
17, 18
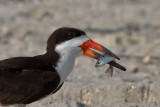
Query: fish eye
71, 35
98, 62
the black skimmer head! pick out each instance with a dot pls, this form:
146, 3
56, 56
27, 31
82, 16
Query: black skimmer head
67, 42
71, 39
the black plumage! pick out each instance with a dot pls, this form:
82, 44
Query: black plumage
24, 80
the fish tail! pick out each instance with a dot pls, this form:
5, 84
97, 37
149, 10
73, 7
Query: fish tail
110, 70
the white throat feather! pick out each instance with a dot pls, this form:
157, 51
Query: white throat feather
68, 51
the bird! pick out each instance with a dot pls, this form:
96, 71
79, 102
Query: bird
24, 80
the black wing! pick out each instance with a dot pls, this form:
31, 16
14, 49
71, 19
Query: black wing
20, 82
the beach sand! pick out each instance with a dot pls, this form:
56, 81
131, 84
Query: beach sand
129, 28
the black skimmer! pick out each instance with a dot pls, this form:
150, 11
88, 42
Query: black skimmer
24, 80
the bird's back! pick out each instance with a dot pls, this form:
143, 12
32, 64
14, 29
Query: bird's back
26, 79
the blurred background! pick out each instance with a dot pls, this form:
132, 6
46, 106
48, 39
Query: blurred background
130, 28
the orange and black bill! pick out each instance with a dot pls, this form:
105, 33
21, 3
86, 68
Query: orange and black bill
93, 45
87, 46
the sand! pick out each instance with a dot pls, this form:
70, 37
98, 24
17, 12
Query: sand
130, 28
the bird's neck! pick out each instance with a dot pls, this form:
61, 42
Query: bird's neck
63, 60
65, 64
51, 58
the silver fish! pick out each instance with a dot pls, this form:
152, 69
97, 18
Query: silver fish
107, 59
104, 60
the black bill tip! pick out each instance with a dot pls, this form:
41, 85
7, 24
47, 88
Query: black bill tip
108, 52
113, 63
123, 68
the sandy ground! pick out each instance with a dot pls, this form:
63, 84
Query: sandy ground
130, 28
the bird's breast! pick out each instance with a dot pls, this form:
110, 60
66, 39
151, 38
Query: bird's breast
65, 65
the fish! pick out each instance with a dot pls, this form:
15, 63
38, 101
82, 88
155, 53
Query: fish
103, 60
106, 59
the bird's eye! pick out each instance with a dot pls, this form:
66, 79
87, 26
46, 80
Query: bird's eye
71, 35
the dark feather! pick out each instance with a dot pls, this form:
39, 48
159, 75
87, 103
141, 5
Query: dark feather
26, 79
